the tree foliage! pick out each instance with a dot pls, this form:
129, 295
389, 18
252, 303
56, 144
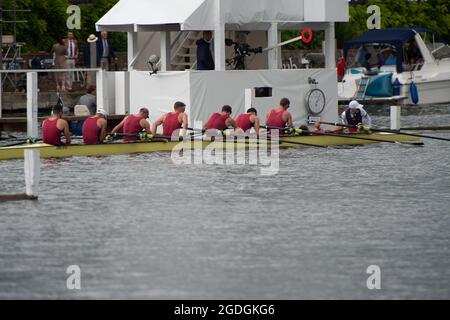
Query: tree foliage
47, 21
431, 14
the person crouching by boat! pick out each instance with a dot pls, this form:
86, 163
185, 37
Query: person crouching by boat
133, 125
221, 121
94, 128
53, 127
280, 118
355, 115
172, 122
245, 122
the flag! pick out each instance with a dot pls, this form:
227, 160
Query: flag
59, 102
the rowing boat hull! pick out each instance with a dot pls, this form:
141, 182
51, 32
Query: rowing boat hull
48, 151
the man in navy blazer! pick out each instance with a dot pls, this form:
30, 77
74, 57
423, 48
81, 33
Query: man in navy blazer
105, 51
205, 59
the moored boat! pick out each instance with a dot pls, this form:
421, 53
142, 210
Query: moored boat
396, 66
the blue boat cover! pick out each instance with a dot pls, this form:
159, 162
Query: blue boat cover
396, 37
380, 86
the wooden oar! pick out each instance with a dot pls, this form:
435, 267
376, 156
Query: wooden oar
294, 142
14, 144
9, 137
196, 130
299, 131
388, 131
22, 142
363, 138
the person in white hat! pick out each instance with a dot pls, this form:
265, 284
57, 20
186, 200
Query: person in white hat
94, 128
355, 115
90, 58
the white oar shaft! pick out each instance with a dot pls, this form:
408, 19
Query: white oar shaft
283, 44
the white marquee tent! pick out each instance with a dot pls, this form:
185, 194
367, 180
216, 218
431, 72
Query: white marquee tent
185, 15
205, 91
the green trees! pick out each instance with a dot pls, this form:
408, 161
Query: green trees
431, 14
47, 21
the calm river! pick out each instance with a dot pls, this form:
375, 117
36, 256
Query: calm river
142, 227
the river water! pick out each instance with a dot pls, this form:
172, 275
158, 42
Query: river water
141, 227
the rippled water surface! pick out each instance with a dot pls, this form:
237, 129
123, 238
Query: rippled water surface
141, 227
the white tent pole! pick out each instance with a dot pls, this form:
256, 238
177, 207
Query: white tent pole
330, 46
102, 90
219, 37
165, 51
132, 48
273, 43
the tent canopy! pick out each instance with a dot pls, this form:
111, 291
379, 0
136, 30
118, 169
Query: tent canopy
395, 37
195, 15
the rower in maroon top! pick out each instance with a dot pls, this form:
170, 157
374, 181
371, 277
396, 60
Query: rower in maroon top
221, 121
53, 127
94, 128
245, 122
133, 125
280, 117
173, 121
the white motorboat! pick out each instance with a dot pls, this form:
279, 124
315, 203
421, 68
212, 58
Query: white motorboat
396, 66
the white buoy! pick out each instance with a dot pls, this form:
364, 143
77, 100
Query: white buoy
32, 157
396, 114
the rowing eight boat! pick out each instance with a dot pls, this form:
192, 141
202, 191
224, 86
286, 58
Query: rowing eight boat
48, 151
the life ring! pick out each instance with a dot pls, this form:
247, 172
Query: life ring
308, 32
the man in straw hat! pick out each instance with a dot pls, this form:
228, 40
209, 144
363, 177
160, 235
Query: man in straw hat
90, 57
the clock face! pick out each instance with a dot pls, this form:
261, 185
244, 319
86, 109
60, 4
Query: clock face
316, 101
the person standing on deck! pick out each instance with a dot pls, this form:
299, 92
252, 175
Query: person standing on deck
59, 62
205, 59
105, 52
53, 127
173, 121
221, 121
280, 117
134, 124
355, 115
72, 53
245, 122
94, 128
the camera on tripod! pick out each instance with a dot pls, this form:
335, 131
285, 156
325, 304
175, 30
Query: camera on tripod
241, 50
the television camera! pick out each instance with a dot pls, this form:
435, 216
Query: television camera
241, 50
